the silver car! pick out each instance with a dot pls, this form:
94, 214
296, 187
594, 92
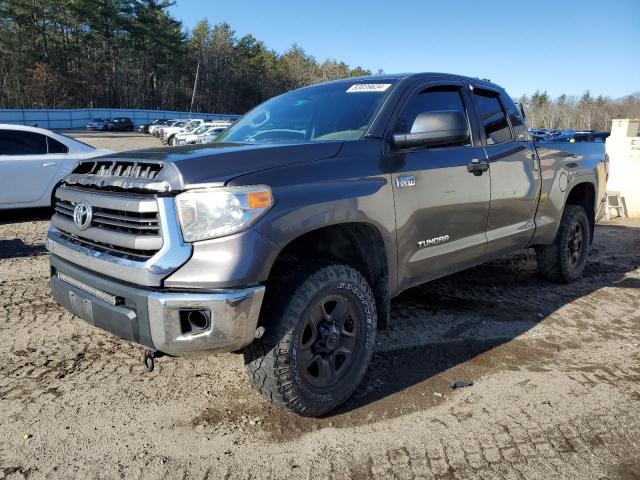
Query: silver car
33, 161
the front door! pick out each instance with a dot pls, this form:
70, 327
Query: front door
515, 176
27, 169
441, 207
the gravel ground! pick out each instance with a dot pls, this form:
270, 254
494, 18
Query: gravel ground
115, 140
556, 392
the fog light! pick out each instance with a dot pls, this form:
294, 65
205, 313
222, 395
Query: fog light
194, 321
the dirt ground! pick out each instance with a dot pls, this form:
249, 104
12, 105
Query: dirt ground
115, 140
555, 394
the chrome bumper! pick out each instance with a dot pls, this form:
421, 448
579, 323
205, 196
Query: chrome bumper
152, 318
234, 319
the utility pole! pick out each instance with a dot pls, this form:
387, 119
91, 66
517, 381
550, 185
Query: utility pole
193, 94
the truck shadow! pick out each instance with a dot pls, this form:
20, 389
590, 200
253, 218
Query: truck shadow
25, 215
16, 248
438, 327
469, 324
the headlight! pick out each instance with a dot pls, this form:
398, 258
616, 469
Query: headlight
216, 212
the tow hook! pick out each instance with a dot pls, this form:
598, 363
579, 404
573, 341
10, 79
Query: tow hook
148, 359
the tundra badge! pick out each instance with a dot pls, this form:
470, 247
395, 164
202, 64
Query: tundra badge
407, 181
433, 241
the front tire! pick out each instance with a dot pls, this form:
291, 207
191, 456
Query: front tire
564, 260
317, 345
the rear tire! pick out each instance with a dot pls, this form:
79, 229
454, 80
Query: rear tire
318, 340
564, 260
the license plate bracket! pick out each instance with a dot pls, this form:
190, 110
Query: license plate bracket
82, 307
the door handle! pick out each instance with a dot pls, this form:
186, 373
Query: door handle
477, 166
48, 164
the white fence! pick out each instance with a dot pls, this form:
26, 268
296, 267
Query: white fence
78, 118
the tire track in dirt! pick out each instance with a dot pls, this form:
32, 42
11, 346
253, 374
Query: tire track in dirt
556, 394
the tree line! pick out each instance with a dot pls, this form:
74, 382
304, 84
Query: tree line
134, 54
578, 113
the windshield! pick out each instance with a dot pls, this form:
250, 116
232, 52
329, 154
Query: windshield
333, 111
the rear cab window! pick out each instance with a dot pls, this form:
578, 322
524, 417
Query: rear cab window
493, 118
515, 118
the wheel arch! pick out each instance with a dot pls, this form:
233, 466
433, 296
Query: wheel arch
584, 194
358, 244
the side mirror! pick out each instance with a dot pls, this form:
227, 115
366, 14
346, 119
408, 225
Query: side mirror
446, 127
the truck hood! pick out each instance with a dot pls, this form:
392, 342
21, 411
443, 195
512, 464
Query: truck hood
191, 166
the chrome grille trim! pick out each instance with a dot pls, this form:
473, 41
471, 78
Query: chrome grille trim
127, 226
108, 238
122, 252
129, 202
115, 220
151, 272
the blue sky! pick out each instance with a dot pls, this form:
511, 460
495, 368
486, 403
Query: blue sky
558, 46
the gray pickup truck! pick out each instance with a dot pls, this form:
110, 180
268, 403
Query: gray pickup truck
286, 238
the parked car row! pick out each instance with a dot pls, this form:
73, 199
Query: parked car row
144, 128
179, 131
183, 131
120, 124
571, 136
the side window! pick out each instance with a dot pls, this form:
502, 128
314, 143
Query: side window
18, 142
515, 117
56, 147
432, 100
492, 117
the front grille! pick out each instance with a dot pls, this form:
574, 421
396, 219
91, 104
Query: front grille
116, 168
145, 223
126, 226
115, 250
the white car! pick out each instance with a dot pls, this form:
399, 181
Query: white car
33, 161
211, 135
208, 130
156, 130
168, 134
186, 138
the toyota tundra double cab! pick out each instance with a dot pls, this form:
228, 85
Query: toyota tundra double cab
286, 238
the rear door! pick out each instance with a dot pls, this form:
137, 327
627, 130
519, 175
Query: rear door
515, 174
27, 168
441, 208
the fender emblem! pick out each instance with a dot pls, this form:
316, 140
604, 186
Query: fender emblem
433, 241
406, 181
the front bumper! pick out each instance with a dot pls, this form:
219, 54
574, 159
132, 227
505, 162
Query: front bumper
151, 317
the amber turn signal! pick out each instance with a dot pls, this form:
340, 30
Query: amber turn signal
261, 199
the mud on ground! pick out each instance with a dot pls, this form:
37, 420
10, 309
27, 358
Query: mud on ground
556, 393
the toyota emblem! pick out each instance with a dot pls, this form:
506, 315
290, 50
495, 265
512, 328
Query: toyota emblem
82, 215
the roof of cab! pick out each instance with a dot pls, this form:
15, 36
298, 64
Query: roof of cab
417, 76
